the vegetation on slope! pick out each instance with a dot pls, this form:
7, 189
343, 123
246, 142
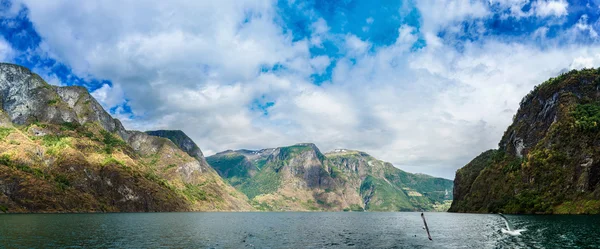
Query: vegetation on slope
60, 151
63, 171
548, 158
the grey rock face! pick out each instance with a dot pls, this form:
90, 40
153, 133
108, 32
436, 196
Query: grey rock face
26, 98
87, 108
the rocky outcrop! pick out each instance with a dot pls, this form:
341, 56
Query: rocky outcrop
300, 177
27, 98
184, 142
547, 159
62, 152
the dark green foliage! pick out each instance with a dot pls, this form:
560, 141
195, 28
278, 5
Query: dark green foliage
69, 126
152, 176
291, 151
264, 182
336, 172
4, 132
229, 166
111, 141
194, 192
3, 208
62, 182
513, 165
6, 160
53, 101
587, 117
354, 208
433, 187
388, 197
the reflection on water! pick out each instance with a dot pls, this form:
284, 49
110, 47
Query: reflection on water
293, 230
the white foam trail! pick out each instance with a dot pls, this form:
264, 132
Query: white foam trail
513, 232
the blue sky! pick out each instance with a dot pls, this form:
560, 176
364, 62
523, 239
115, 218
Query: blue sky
426, 85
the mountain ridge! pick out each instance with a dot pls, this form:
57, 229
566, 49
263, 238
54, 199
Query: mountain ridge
336, 180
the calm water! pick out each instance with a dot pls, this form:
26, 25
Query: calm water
293, 230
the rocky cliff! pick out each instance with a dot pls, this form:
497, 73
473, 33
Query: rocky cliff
60, 151
300, 177
548, 160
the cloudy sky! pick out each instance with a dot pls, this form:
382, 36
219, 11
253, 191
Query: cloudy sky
424, 84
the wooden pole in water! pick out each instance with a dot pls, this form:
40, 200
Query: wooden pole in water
426, 228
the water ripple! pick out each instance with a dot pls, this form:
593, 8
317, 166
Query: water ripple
293, 230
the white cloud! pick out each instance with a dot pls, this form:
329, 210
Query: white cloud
196, 66
6, 51
550, 8
538, 8
583, 26
109, 96
438, 14
356, 46
320, 63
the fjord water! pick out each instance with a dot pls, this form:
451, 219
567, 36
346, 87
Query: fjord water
293, 230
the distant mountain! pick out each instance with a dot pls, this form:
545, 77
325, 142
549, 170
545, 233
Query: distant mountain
300, 177
60, 151
548, 160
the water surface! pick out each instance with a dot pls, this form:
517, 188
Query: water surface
293, 230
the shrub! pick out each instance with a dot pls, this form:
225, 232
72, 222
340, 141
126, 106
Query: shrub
587, 117
112, 161
111, 142
62, 182
5, 159
194, 192
69, 126
53, 101
55, 143
4, 132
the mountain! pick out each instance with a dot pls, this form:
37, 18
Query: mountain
300, 178
60, 151
548, 160
182, 141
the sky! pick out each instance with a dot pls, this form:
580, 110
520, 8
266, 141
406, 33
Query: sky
426, 85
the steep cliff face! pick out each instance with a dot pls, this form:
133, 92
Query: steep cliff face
61, 152
300, 177
548, 158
